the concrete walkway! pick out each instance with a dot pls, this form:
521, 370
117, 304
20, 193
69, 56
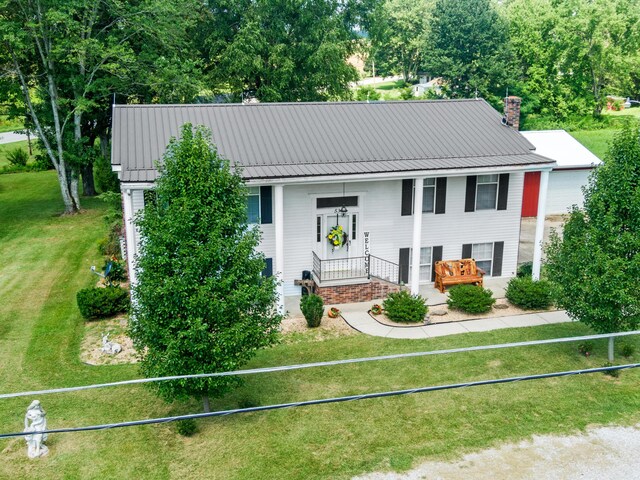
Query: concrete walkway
365, 323
12, 137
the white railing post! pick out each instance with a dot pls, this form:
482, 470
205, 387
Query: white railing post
417, 236
278, 191
539, 237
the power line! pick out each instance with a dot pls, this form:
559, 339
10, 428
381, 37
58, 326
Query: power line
349, 398
318, 364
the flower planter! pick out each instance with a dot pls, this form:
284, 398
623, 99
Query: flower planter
333, 312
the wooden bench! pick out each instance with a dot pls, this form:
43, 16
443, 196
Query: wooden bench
456, 272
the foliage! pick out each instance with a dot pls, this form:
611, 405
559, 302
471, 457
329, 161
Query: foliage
376, 309
470, 298
367, 94
403, 307
201, 302
595, 263
627, 350
337, 237
528, 294
312, 308
468, 47
525, 270
106, 179
186, 427
98, 302
281, 50
586, 348
18, 157
611, 373
398, 35
117, 272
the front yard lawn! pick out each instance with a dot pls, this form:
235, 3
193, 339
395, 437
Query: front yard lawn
46, 259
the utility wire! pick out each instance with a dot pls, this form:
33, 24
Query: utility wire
318, 364
349, 398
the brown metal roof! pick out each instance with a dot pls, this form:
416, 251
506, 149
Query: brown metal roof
285, 140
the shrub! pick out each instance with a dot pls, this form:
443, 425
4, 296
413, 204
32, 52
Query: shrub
470, 298
118, 272
611, 373
312, 308
525, 270
403, 307
627, 350
367, 93
586, 348
18, 157
186, 427
106, 179
102, 302
110, 244
529, 294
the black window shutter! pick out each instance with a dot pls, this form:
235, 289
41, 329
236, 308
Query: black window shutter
403, 263
266, 204
268, 269
407, 197
496, 267
441, 194
503, 191
435, 257
466, 250
470, 198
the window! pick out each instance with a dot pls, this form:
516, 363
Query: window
319, 228
354, 226
483, 255
428, 195
487, 192
335, 202
253, 205
425, 264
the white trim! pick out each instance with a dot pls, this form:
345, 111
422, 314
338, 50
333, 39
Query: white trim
417, 235
129, 232
278, 200
539, 237
137, 185
116, 168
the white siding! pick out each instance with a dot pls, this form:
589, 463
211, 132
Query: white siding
565, 190
137, 197
380, 214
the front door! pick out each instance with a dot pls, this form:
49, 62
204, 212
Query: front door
344, 241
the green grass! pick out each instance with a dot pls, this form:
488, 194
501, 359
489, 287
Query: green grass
633, 112
46, 259
7, 125
7, 147
597, 141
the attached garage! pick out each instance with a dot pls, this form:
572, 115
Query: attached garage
574, 165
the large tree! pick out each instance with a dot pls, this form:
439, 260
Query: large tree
468, 45
282, 50
595, 263
69, 56
201, 303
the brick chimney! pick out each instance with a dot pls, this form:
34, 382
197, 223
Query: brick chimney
512, 111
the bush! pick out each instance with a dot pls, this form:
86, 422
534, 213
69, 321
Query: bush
312, 308
611, 373
470, 298
627, 350
367, 94
529, 294
525, 270
186, 427
118, 272
106, 179
403, 307
18, 157
102, 302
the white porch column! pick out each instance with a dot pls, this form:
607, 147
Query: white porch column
418, 183
129, 233
278, 191
537, 243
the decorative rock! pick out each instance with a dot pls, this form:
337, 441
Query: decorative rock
37, 416
110, 348
501, 306
438, 313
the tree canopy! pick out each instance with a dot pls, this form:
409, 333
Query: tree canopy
201, 304
595, 262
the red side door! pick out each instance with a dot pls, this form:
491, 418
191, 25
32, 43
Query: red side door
530, 194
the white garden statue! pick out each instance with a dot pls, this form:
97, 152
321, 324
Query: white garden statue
108, 347
35, 421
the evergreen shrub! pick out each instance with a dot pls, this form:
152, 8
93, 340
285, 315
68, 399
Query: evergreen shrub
529, 294
470, 298
312, 308
102, 302
403, 307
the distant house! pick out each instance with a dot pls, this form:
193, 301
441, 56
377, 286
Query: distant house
434, 85
574, 164
405, 183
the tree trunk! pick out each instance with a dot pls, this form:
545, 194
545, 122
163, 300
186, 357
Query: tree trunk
88, 185
205, 403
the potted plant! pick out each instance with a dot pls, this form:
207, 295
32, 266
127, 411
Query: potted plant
333, 312
376, 309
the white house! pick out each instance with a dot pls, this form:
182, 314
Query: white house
434, 85
367, 167
574, 164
